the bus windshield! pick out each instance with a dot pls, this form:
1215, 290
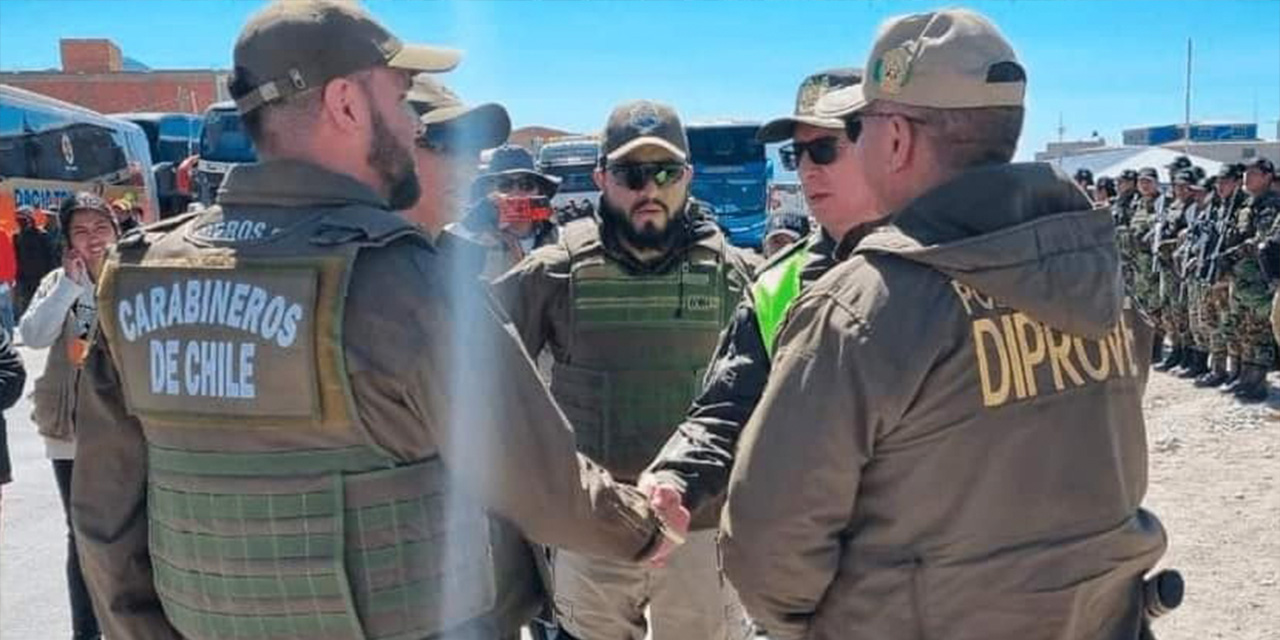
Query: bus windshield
224, 138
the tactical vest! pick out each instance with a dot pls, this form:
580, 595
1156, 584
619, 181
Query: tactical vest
776, 288
271, 512
638, 346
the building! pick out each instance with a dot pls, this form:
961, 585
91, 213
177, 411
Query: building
1221, 141
96, 75
1055, 150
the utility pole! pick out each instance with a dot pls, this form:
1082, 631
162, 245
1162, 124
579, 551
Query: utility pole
1186, 132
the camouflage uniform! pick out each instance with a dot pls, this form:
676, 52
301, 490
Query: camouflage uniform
1214, 309
1170, 232
1192, 253
1144, 216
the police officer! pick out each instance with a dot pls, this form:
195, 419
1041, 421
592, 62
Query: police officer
263, 455
1170, 232
447, 149
693, 467
1251, 291
1224, 354
915, 462
784, 229
631, 307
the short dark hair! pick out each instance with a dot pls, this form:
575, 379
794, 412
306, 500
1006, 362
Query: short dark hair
967, 138
294, 109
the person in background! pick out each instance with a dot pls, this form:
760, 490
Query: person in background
784, 230
59, 318
12, 376
36, 257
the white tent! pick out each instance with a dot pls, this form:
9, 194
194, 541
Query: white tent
1111, 161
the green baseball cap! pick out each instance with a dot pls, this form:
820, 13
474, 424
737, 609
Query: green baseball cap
807, 96
485, 125
948, 59
296, 45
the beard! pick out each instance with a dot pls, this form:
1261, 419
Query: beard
394, 165
649, 235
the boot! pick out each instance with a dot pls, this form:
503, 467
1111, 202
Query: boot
1195, 364
1157, 348
1216, 375
1233, 375
1252, 387
1175, 357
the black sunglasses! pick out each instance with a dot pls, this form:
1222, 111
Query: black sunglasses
507, 184
853, 124
636, 176
822, 151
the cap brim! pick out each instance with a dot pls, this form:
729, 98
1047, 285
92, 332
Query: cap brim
790, 232
646, 141
424, 58
841, 102
488, 125
784, 128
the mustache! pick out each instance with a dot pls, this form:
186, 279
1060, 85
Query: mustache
648, 201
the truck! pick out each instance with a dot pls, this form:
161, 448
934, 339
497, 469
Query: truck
224, 143
731, 173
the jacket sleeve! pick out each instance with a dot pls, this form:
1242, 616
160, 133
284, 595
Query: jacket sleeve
699, 454
42, 322
12, 374
533, 294
108, 505
500, 433
781, 538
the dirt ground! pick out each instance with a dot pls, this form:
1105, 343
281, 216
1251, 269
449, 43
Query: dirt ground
1214, 470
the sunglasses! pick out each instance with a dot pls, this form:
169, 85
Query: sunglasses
853, 124
636, 176
508, 184
822, 151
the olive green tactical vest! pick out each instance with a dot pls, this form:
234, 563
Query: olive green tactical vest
53, 394
638, 346
271, 513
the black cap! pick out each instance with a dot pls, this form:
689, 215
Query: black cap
1149, 172
1234, 171
290, 47
1084, 175
789, 223
1180, 162
643, 123
1185, 176
1105, 183
1209, 183
1262, 164
1128, 174
83, 201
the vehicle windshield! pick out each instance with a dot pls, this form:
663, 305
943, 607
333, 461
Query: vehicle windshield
224, 139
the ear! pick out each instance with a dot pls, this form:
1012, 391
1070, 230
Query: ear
598, 177
346, 105
903, 141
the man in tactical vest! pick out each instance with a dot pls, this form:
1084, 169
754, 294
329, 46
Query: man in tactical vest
693, 467
1224, 355
285, 419
1199, 233
1146, 215
1170, 231
950, 441
631, 306
1121, 212
1252, 289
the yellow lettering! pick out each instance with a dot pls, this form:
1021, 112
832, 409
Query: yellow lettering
1030, 355
1102, 369
992, 395
1015, 357
1060, 359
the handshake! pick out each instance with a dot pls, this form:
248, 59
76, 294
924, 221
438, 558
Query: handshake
667, 502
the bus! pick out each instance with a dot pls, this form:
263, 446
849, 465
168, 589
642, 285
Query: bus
172, 137
573, 160
223, 144
731, 173
50, 149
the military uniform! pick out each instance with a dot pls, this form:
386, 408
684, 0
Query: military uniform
1171, 285
1190, 256
1215, 309
1251, 295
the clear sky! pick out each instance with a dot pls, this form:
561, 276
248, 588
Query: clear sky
1100, 65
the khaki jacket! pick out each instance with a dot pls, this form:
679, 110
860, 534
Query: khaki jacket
951, 442
410, 336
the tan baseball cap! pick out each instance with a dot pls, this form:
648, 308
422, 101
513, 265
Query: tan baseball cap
644, 123
949, 59
486, 125
807, 96
295, 45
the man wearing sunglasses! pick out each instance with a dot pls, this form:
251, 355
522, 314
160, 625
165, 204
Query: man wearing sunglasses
951, 434
509, 213
631, 306
447, 149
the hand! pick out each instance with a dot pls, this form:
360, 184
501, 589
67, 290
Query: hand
668, 505
74, 267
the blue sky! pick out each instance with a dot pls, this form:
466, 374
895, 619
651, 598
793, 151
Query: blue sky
1101, 65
